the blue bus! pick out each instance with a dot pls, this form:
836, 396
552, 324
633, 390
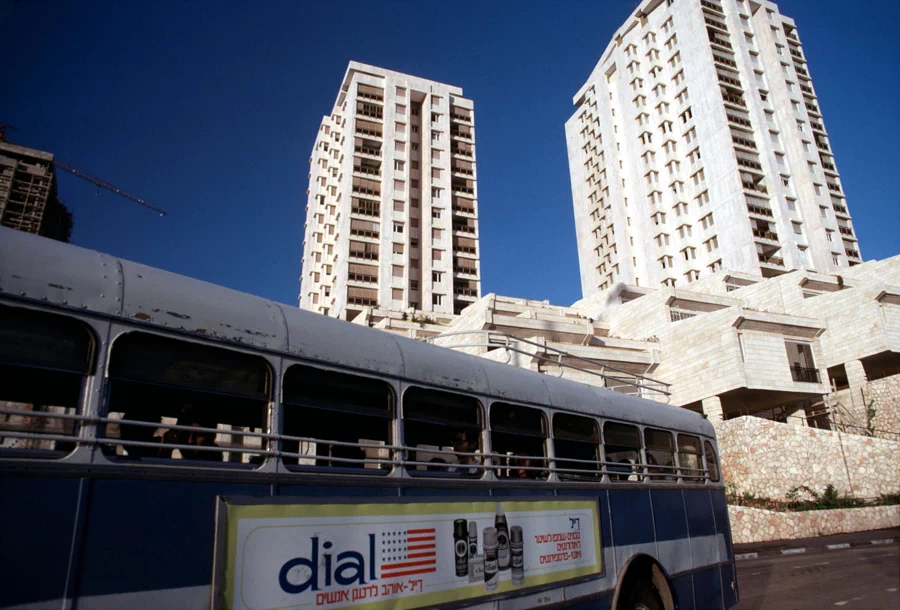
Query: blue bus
133, 400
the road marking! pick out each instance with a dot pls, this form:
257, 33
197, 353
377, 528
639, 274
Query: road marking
875, 556
746, 556
758, 573
844, 603
833, 547
793, 551
809, 565
892, 589
884, 541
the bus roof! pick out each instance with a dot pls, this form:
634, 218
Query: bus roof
46, 271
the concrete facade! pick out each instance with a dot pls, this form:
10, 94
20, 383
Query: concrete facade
697, 145
392, 213
28, 199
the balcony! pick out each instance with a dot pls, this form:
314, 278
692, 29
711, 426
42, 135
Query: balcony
728, 79
804, 374
817, 126
759, 210
812, 108
368, 131
371, 112
713, 6
761, 234
464, 249
834, 188
749, 163
364, 190
461, 117
797, 54
806, 89
676, 314
801, 71
367, 150
737, 100
365, 301
738, 120
719, 41
463, 170
464, 135
366, 95
369, 171
714, 23
759, 187
464, 270
846, 231
364, 255
362, 277
822, 145
724, 61
840, 209
460, 228
775, 261
465, 292
365, 208
461, 152
365, 233
462, 209
829, 166
463, 190
745, 142
852, 253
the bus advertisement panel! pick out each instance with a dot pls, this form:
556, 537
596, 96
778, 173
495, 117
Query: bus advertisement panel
398, 555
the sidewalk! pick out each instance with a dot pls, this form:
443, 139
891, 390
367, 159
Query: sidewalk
754, 550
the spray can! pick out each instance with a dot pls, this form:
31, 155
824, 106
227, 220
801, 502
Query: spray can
517, 555
473, 539
461, 547
476, 561
502, 539
491, 572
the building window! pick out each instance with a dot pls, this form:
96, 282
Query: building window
800, 357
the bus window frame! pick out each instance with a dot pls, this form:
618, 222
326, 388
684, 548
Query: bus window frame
107, 445
481, 454
391, 446
717, 466
542, 473
655, 472
587, 474
700, 473
637, 469
79, 405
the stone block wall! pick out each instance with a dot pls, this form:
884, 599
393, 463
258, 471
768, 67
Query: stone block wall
849, 407
768, 459
758, 525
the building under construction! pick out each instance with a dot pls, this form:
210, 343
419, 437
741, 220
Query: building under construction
28, 200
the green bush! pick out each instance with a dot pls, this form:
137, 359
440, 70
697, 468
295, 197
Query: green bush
803, 498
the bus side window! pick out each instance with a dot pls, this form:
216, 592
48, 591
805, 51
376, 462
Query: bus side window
690, 464
181, 400
518, 441
712, 464
660, 454
442, 431
345, 420
622, 446
44, 360
576, 443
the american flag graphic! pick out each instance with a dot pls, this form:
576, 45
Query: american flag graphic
407, 552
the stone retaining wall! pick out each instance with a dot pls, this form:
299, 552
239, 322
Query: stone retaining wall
768, 459
759, 525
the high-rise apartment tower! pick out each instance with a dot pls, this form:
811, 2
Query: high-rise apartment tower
698, 144
392, 213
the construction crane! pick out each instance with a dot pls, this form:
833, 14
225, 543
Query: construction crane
106, 185
92, 179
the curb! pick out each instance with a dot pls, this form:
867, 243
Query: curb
799, 550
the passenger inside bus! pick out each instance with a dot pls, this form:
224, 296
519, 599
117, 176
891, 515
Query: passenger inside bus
444, 428
519, 436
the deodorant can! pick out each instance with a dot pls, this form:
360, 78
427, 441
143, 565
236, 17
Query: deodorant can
502, 539
491, 573
461, 546
517, 555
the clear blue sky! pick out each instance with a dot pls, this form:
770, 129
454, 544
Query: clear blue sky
210, 111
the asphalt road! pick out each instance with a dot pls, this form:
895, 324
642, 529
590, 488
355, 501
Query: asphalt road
856, 578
